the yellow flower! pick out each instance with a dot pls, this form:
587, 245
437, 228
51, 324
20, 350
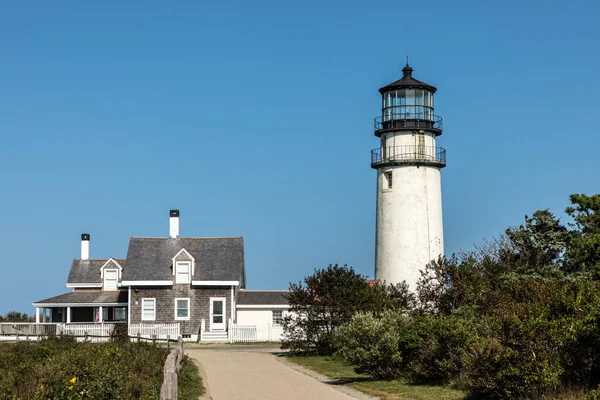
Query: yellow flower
70, 387
73, 379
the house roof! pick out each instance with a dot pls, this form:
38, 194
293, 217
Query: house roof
262, 297
407, 82
216, 259
87, 297
88, 271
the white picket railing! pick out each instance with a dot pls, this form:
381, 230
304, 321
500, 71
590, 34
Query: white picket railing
242, 333
161, 331
254, 333
26, 328
100, 329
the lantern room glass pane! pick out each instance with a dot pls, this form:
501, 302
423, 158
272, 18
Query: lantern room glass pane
408, 104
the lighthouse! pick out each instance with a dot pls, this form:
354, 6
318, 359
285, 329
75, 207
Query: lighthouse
409, 231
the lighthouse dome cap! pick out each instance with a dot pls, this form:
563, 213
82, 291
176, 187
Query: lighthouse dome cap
407, 82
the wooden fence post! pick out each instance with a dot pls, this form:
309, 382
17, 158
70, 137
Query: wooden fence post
168, 341
138, 336
85, 335
154, 339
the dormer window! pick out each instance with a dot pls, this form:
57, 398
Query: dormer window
111, 279
183, 271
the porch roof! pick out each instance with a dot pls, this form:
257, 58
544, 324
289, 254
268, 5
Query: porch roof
84, 298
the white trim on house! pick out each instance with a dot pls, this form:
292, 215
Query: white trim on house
193, 260
188, 309
233, 317
116, 263
215, 283
54, 305
147, 283
262, 306
129, 305
84, 285
153, 309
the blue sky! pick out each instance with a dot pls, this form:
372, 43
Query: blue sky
255, 120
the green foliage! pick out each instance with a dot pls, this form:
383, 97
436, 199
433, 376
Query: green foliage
189, 383
372, 344
329, 298
583, 251
61, 368
120, 334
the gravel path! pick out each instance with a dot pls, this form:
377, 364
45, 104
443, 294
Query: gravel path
251, 372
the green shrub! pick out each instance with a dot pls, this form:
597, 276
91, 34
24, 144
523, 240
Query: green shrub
377, 346
444, 340
60, 368
519, 360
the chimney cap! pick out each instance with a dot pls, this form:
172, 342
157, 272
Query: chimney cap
85, 236
174, 213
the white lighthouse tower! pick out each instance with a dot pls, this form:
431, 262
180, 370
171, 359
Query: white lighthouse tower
409, 194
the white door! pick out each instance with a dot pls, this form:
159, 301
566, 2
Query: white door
217, 313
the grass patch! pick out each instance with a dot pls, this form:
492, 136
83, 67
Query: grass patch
388, 390
189, 382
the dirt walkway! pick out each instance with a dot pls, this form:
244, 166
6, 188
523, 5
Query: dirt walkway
250, 372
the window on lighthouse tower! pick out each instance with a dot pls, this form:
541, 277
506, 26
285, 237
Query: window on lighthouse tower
388, 177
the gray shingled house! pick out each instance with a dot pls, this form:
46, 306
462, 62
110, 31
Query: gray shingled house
195, 282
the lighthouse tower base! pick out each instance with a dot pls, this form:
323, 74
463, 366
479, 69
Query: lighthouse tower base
409, 222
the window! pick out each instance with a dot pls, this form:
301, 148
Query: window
111, 279
120, 313
277, 317
182, 308
388, 177
148, 309
182, 271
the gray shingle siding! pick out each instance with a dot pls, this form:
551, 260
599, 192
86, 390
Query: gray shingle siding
165, 305
217, 259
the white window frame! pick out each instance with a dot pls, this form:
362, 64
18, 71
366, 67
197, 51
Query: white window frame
224, 323
189, 274
117, 280
273, 317
188, 309
153, 300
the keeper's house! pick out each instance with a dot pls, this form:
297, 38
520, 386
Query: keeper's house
199, 283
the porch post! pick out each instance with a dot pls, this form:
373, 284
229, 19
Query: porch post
68, 315
44, 312
37, 315
100, 314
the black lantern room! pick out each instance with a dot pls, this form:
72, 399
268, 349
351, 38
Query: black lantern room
407, 104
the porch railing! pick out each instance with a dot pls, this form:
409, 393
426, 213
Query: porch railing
161, 331
100, 329
254, 333
26, 328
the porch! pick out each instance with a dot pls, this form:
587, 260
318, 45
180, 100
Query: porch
83, 306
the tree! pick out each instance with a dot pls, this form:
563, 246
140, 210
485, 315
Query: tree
15, 316
318, 307
583, 253
537, 247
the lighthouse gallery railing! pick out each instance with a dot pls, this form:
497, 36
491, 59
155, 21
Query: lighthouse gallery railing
409, 154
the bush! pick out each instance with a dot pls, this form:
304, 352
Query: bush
372, 344
60, 368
